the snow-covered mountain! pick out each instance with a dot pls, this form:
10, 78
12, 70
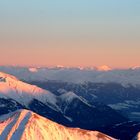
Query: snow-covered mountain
11, 87
15, 94
74, 105
65, 109
103, 68
26, 125
102, 74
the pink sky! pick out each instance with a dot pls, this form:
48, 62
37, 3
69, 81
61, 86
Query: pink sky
61, 53
70, 33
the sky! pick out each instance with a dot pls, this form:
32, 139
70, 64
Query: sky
70, 32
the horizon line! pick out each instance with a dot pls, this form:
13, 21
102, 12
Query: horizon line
67, 66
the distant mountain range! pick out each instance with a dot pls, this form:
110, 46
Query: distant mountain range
108, 107
124, 77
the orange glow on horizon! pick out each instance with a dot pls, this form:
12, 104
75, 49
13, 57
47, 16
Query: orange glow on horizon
84, 53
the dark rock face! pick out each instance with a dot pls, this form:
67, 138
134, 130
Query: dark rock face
9, 105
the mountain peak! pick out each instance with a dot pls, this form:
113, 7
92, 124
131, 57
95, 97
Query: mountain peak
104, 68
33, 69
26, 125
69, 96
136, 68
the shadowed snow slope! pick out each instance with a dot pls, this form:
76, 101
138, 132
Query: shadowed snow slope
26, 125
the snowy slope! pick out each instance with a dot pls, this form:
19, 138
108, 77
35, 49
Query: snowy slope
68, 97
11, 87
26, 125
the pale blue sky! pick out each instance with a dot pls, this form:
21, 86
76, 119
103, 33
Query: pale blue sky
102, 30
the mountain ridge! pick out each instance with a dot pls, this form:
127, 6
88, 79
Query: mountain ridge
26, 125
